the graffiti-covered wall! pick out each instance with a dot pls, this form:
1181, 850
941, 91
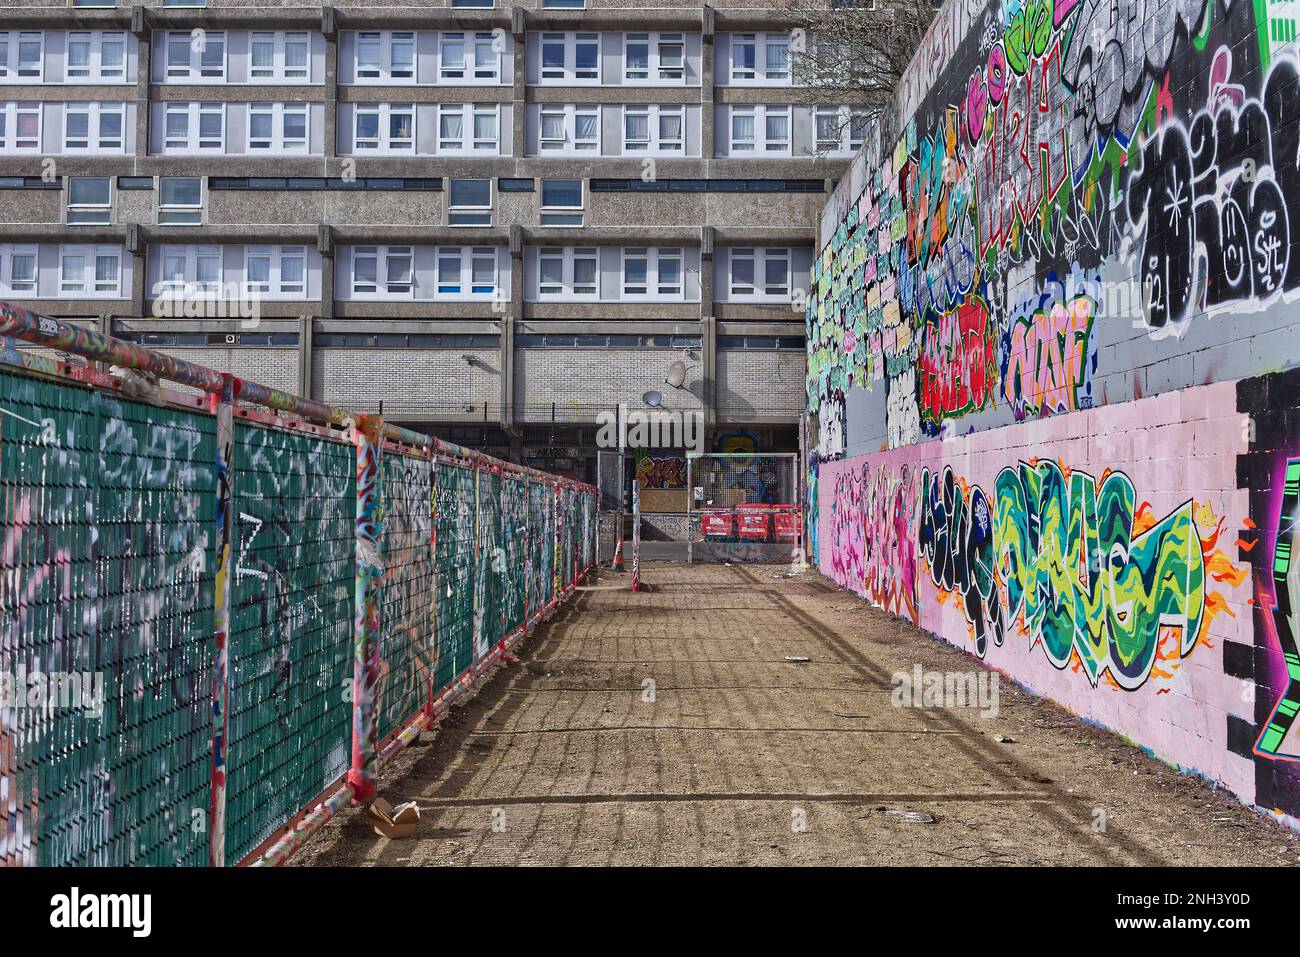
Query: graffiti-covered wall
1048, 335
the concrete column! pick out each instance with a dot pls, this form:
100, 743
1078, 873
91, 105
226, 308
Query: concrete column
706, 85
329, 27
306, 331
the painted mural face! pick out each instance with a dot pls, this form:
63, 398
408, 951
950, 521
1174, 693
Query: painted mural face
1064, 168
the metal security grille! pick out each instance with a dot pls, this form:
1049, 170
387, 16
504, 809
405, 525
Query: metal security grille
107, 507
515, 528
743, 506
292, 499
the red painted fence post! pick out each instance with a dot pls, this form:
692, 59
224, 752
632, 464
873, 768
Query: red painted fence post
368, 436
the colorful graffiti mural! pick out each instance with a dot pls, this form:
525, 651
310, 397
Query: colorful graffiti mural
1068, 256
1152, 155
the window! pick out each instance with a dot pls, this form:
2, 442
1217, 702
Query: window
275, 270
570, 57
277, 127
760, 273
515, 184
194, 128
383, 271
566, 273
654, 58
18, 270
470, 202
564, 4
657, 129
94, 128
561, 202
94, 3
185, 3
468, 57
468, 128
188, 270
385, 56
22, 56
384, 128
90, 200
760, 58
839, 130
650, 273
760, 130
569, 129
466, 272
91, 271
20, 127
472, 4
197, 57
96, 56
180, 200
279, 56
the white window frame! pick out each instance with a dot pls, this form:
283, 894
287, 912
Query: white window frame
179, 207
95, 111
761, 76
480, 60
761, 146
654, 290
656, 144
469, 143
277, 144
194, 111
656, 65
843, 117
106, 207
11, 111
189, 284
30, 287
567, 290
275, 286
570, 145
760, 290
383, 139
192, 70
95, 69
278, 71
568, 72
91, 286
383, 256
10, 61
462, 279
383, 74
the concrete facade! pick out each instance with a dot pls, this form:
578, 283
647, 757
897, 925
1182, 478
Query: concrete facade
331, 146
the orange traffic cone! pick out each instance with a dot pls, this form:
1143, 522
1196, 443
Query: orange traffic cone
617, 563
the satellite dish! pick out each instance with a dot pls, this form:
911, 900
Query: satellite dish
653, 398
676, 374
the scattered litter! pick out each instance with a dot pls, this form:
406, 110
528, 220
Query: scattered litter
1004, 739
797, 658
849, 714
916, 817
393, 822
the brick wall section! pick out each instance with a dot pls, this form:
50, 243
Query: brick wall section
419, 383
583, 382
754, 382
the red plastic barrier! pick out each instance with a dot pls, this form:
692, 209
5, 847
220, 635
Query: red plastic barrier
716, 522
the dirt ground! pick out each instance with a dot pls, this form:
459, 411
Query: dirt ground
667, 727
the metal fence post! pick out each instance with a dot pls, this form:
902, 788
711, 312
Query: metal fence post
636, 535
368, 437
223, 407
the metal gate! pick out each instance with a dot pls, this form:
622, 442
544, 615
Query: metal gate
744, 507
609, 523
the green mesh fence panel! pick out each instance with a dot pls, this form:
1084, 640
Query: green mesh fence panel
541, 545
454, 637
568, 533
294, 507
406, 606
487, 565
108, 509
514, 529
